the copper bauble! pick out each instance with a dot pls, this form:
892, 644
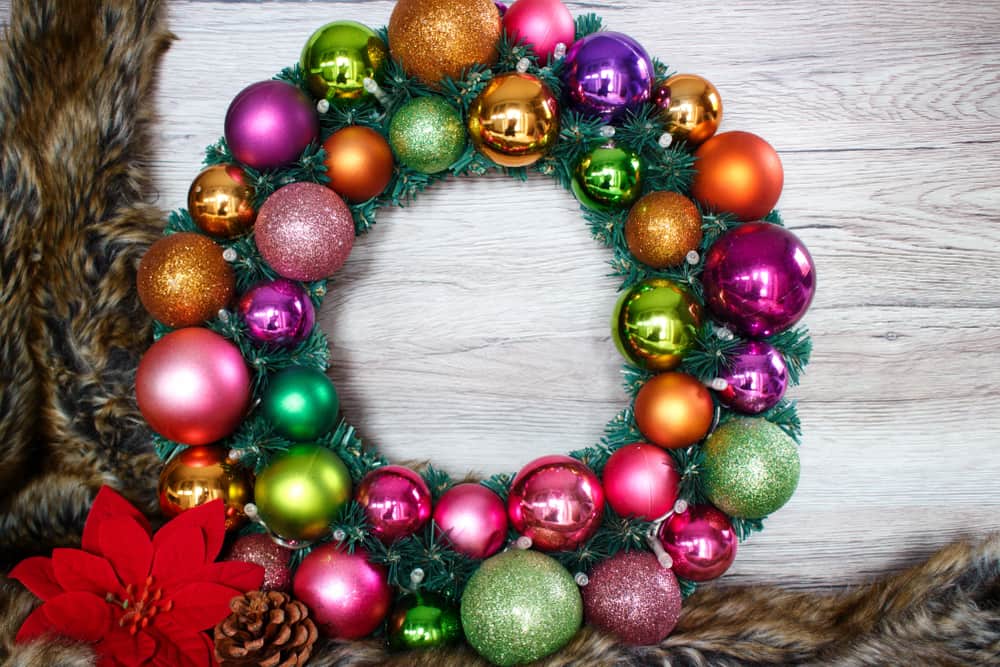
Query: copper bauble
694, 110
220, 201
201, 474
739, 173
673, 410
515, 120
662, 228
359, 163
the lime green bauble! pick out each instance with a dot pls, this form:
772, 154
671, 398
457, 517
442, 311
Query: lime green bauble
751, 468
339, 57
301, 403
427, 134
654, 324
608, 178
423, 620
520, 606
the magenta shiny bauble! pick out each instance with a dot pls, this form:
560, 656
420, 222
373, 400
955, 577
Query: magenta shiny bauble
633, 597
473, 518
557, 501
192, 386
607, 74
348, 596
701, 542
269, 124
759, 278
641, 480
397, 502
540, 23
260, 549
277, 312
756, 378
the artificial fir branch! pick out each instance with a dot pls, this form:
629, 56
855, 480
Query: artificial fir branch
499, 484
588, 24
711, 353
633, 378
640, 131
796, 347
438, 481
670, 168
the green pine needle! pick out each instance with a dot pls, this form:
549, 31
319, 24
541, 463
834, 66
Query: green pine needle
796, 347
711, 354
588, 24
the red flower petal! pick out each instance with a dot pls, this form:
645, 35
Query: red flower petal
79, 615
36, 625
180, 555
187, 648
77, 570
128, 548
199, 606
107, 505
127, 649
37, 576
209, 518
241, 576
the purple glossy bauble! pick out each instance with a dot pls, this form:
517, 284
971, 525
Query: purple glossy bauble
269, 124
701, 541
607, 74
397, 502
759, 278
756, 378
278, 312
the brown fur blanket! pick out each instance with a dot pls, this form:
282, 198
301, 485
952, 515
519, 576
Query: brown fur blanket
76, 81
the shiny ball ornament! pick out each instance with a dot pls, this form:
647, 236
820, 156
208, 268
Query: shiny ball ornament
183, 280
197, 475
641, 481
301, 403
192, 386
673, 410
305, 231
427, 134
260, 549
359, 163
338, 57
300, 492
220, 201
607, 178
348, 596
269, 124
473, 519
520, 606
738, 173
433, 39
759, 278
396, 501
751, 468
654, 323
693, 109
633, 597
423, 620
515, 120
700, 541
607, 74
277, 312
756, 378
557, 501
542, 24
662, 228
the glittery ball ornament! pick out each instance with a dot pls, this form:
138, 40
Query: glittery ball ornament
673, 410
654, 323
198, 475
305, 231
260, 549
700, 541
756, 377
359, 163
606, 74
427, 134
515, 120
520, 606
473, 519
738, 173
183, 279
433, 39
641, 481
338, 57
277, 312
662, 228
301, 403
396, 501
751, 468
220, 201
607, 178
269, 124
633, 597
693, 108
423, 620
348, 596
541, 24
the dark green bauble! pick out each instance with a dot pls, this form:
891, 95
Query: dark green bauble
423, 620
427, 134
608, 178
301, 403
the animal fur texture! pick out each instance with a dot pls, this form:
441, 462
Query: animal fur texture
76, 113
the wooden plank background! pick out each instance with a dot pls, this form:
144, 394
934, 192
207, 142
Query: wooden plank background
471, 328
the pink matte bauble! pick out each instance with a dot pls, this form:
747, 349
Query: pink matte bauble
557, 501
269, 124
540, 23
260, 549
473, 519
701, 542
192, 386
397, 502
348, 596
641, 481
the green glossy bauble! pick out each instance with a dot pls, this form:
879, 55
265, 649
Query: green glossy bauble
520, 606
654, 324
301, 491
751, 468
608, 178
423, 620
301, 403
339, 57
427, 134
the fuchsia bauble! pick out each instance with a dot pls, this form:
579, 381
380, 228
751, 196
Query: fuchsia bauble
641, 480
473, 518
540, 23
701, 542
260, 549
557, 501
277, 312
192, 386
269, 124
756, 378
397, 502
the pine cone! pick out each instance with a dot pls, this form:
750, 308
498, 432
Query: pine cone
265, 630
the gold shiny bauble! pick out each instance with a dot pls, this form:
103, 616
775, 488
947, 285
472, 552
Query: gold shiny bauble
339, 57
695, 108
662, 228
654, 324
221, 201
438, 38
198, 475
515, 120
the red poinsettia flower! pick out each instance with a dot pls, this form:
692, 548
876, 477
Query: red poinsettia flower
138, 600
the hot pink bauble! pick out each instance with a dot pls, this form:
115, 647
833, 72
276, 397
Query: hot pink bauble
397, 502
269, 124
192, 386
701, 542
260, 549
347, 596
641, 480
541, 23
557, 501
473, 518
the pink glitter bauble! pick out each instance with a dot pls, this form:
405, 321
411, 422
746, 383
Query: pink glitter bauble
473, 518
304, 231
262, 550
397, 502
701, 541
641, 480
347, 595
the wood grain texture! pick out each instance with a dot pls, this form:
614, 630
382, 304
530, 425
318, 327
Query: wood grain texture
471, 328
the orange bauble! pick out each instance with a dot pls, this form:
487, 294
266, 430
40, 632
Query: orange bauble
359, 163
673, 410
739, 173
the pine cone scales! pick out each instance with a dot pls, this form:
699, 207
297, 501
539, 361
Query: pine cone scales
265, 630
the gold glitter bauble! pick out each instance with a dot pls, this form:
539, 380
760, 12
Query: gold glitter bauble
220, 201
662, 228
183, 280
438, 38
515, 120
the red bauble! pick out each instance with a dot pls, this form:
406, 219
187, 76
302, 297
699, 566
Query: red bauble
701, 541
397, 502
641, 480
739, 173
473, 518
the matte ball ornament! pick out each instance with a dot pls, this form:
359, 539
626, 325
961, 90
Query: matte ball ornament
198, 475
673, 410
473, 519
542, 24
607, 74
756, 378
738, 173
301, 403
515, 120
700, 541
654, 323
607, 178
759, 278
396, 500
269, 124
338, 57
662, 228
557, 501
260, 549
692, 109
520, 606
427, 134
641, 481
220, 201
192, 386
423, 620
359, 163
751, 468
183, 280
277, 312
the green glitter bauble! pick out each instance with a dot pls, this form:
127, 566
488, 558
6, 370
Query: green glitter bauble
751, 468
520, 606
301, 403
427, 134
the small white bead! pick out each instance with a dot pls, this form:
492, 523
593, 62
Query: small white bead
523, 542
723, 333
234, 455
680, 506
581, 579
560, 51
416, 576
223, 315
339, 535
523, 64
323, 106
230, 255
666, 562
251, 511
665, 140
608, 131
692, 257
718, 384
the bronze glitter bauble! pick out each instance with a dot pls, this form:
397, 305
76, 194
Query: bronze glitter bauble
359, 163
662, 228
